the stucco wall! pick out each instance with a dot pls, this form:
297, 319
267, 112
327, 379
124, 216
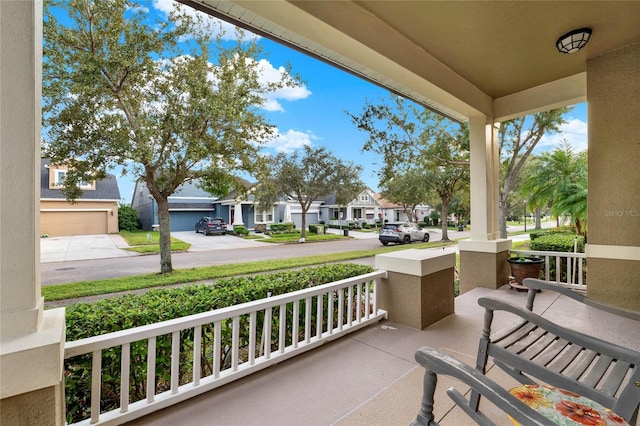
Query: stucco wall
613, 92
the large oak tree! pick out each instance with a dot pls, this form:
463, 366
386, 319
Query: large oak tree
168, 102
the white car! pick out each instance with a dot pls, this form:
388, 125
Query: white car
402, 233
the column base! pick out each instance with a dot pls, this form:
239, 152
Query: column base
483, 264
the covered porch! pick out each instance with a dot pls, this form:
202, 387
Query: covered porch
497, 62
371, 378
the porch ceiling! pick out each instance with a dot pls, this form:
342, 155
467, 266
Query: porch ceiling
463, 58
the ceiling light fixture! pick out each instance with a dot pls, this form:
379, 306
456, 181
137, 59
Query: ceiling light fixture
574, 40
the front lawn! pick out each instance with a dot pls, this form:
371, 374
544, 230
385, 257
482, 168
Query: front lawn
149, 242
294, 237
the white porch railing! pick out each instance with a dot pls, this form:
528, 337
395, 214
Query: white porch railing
341, 307
569, 273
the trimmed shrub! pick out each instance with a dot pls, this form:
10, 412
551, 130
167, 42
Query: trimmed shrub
128, 218
318, 229
557, 242
282, 227
240, 230
109, 315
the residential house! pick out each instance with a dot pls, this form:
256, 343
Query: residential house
95, 212
245, 210
365, 208
392, 212
187, 205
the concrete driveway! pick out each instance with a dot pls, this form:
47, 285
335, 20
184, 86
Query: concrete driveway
85, 247
200, 242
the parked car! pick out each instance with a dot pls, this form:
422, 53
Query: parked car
402, 233
211, 225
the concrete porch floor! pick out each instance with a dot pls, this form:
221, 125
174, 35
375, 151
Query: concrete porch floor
371, 378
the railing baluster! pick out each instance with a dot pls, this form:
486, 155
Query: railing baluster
330, 313
580, 263
558, 270
125, 362
547, 268
359, 303
217, 337
252, 338
295, 327
367, 299
283, 328
319, 317
235, 343
151, 369
307, 320
340, 308
96, 384
350, 306
197, 343
266, 333
175, 361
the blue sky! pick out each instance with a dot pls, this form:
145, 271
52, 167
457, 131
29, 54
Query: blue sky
314, 114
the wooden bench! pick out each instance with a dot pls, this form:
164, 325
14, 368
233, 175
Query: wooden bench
537, 350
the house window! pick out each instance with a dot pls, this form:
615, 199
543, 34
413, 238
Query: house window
364, 197
60, 175
264, 216
357, 213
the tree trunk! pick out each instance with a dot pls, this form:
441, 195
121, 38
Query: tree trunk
303, 232
165, 236
445, 221
538, 220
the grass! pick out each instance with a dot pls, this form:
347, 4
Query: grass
149, 242
184, 276
294, 237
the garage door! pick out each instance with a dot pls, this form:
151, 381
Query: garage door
73, 223
186, 221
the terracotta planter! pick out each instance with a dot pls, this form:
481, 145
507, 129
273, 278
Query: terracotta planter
520, 269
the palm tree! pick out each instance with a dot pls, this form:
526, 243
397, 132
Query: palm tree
559, 178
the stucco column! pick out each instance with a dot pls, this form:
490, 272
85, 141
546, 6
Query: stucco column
613, 249
419, 288
483, 256
31, 339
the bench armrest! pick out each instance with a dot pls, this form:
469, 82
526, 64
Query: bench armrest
436, 362
535, 285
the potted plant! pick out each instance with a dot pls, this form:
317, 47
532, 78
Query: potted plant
524, 267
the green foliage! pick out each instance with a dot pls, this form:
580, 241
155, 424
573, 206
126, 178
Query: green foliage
417, 142
559, 178
286, 227
314, 229
558, 242
169, 101
308, 177
517, 139
128, 218
109, 315
240, 230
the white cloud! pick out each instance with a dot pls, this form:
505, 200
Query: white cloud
228, 30
268, 74
291, 140
574, 131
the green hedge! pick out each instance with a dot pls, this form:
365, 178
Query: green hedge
314, 229
240, 230
109, 315
557, 242
283, 227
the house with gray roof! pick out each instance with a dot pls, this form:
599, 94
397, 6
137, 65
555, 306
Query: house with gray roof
95, 212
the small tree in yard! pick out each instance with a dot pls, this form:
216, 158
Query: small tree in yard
127, 218
408, 190
146, 97
308, 177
